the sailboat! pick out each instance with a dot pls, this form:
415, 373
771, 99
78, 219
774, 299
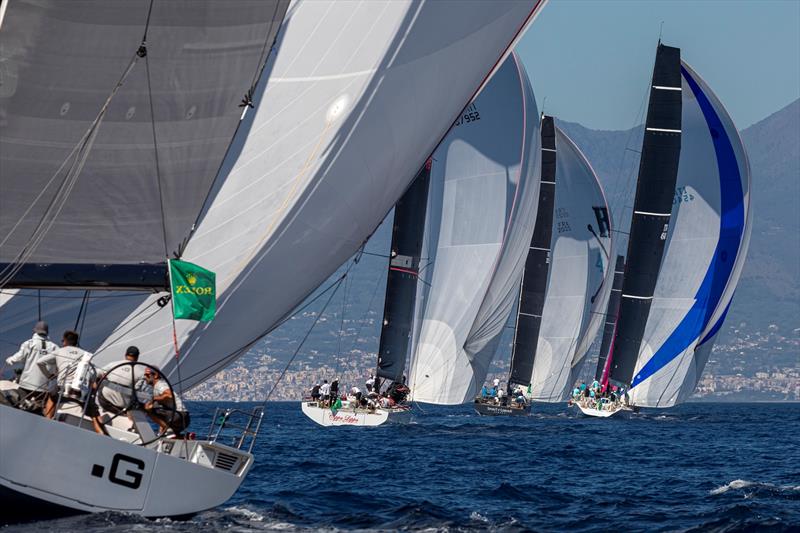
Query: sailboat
690, 230
483, 199
234, 135
565, 283
613, 403
401, 282
460, 173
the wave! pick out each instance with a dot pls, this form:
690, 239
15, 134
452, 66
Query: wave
739, 484
246, 513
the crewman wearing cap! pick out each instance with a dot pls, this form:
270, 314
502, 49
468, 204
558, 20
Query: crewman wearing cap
122, 379
33, 382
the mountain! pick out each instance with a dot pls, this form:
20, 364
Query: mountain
769, 291
768, 297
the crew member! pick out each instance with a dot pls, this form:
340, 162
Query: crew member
315, 392
33, 381
120, 381
166, 408
325, 392
72, 371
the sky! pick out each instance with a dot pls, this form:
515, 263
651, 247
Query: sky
590, 61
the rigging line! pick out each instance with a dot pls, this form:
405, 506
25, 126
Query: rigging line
39, 302
363, 318
58, 202
376, 255
155, 145
341, 323
85, 313
299, 346
80, 310
257, 77
125, 323
235, 353
87, 140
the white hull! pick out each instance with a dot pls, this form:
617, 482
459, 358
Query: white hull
598, 413
81, 471
347, 416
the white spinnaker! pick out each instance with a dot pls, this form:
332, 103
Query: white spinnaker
352, 99
481, 211
704, 255
579, 278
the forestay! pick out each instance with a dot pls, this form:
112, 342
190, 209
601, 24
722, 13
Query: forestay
93, 195
352, 99
580, 278
481, 212
706, 249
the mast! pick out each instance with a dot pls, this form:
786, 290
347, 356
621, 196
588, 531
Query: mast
601, 374
534, 278
401, 279
655, 190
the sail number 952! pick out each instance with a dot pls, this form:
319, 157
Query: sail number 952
470, 114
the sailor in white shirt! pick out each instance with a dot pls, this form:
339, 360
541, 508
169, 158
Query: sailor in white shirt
64, 364
325, 391
33, 382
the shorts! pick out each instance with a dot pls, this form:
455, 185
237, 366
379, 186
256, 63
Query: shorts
177, 421
31, 400
109, 406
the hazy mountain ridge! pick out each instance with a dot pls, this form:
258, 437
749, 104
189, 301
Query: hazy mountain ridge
769, 292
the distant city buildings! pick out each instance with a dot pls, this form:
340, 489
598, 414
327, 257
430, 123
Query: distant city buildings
752, 367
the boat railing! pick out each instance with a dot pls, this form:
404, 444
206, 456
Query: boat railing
235, 427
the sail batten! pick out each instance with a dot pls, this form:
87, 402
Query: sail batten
655, 191
535, 275
705, 251
578, 285
401, 282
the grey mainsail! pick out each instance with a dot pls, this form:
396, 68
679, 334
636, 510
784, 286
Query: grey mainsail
103, 177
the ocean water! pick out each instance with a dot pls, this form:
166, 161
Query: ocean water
698, 467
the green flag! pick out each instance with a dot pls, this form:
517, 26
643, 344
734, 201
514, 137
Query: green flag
194, 291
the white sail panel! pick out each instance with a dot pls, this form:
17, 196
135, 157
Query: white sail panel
579, 280
706, 248
352, 100
482, 205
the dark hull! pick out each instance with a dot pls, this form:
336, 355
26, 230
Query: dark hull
18, 508
488, 409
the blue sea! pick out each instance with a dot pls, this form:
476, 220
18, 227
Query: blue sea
697, 467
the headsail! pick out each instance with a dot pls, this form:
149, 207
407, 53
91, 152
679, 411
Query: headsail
706, 249
115, 121
483, 199
580, 278
537, 266
655, 189
341, 127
